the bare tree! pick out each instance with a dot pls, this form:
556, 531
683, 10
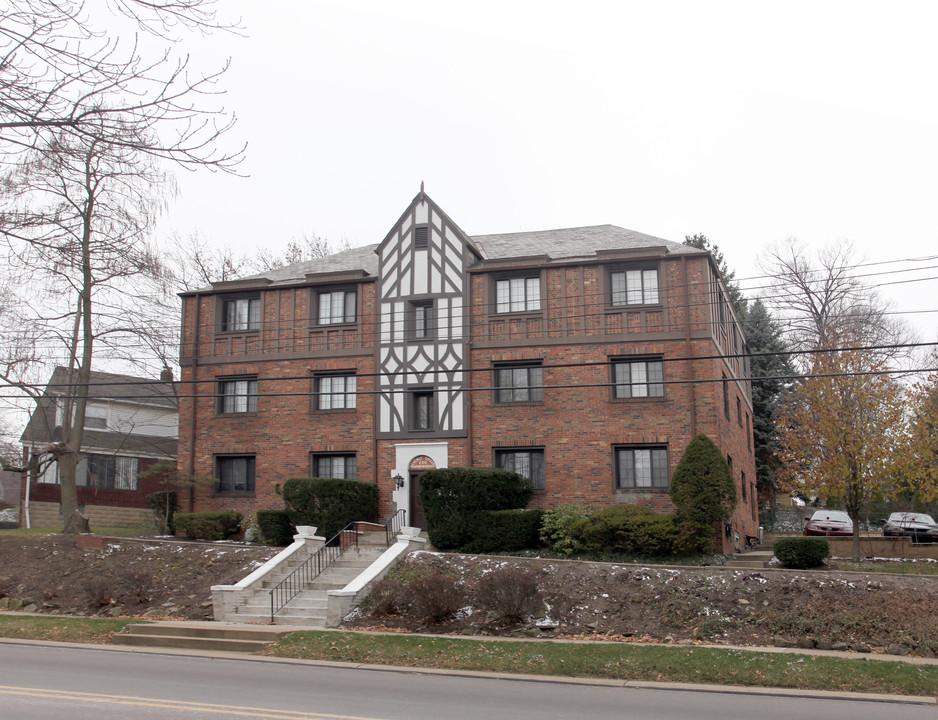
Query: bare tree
309, 247
76, 220
824, 304
64, 78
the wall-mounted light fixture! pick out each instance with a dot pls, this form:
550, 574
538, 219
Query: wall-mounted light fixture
398, 481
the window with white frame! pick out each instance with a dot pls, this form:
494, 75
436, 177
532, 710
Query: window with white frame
337, 306
336, 392
96, 416
237, 395
528, 462
638, 378
519, 383
634, 287
235, 474
641, 468
522, 294
335, 465
243, 313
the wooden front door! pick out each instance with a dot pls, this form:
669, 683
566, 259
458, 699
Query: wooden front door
417, 518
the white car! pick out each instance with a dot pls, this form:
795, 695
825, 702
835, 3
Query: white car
918, 526
829, 523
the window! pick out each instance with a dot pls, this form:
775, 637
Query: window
634, 287
107, 472
335, 466
638, 378
726, 397
518, 295
739, 412
242, 313
742, 481
237, 395
235, 474
642, 467
337, 306
421, 237
95, 417
422, 418
529, 463
336, 392
748, 433
519, 383
420, 322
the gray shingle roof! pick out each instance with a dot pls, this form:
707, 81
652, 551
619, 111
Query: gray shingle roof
561, 243
570, 242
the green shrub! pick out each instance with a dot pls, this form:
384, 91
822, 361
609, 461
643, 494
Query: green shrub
629, 529
163, 505
702, 490
801, 552
557, 524
505, 531
214, 525
275, 527
329, 504
454, 497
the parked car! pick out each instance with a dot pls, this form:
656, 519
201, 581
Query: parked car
830, 523
919, 526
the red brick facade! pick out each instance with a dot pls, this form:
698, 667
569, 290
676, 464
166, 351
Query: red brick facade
573, 337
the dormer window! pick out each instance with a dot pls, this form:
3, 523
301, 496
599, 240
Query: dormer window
634, 287
243, 313
520, 294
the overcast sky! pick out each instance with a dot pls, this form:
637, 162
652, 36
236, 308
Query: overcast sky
748, 122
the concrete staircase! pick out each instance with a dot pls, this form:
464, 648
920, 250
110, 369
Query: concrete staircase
756, 558
308, 609
201, 636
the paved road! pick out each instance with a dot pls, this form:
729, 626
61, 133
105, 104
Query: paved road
49, 683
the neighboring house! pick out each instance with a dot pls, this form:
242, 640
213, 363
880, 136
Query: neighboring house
130, 423
584, 358
10, 484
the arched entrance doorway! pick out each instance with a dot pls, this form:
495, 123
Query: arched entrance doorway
418, 466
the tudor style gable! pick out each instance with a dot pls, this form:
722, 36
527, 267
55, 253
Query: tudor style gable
421, 355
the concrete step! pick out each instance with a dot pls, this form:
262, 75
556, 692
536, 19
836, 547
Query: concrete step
301, 619
751, 559
221, 632
201, 636
193, 643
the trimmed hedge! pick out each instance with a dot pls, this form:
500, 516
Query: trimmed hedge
506, 531
632, 530
275, 527
454, 498
329, 504
213, 525
163, 504
801, 552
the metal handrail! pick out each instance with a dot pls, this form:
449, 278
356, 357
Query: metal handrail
298, 580
393, 526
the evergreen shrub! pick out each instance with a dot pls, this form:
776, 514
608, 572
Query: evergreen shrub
557, 528
506, 531
801, 552
454, 498
702, 490
163, 505
329, 504
212, 525
275, 527
628, 529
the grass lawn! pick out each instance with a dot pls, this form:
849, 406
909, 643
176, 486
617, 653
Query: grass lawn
61, 629
619, 661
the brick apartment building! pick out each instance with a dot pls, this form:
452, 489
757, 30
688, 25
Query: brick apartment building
584, 358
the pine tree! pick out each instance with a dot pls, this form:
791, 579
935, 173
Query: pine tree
768, 362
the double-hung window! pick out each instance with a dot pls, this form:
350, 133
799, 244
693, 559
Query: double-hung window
337, 306
634, 287
529, 463
519, 383
336, 392
237, 395
638, 378
421, 320
639, 468
334, 465
521, 294
107, 472
243, 313
235, 473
